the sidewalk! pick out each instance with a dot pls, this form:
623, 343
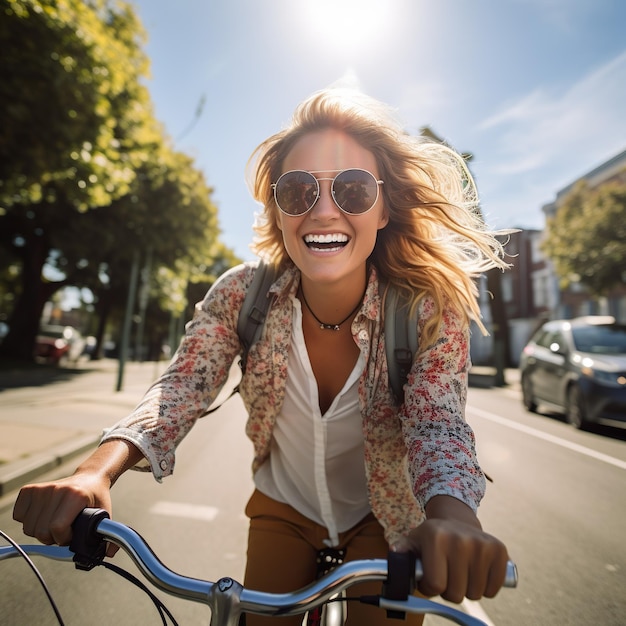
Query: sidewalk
49, 416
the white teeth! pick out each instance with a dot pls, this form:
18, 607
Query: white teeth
330, 238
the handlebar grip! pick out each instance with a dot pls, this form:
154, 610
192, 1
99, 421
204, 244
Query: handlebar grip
88, 546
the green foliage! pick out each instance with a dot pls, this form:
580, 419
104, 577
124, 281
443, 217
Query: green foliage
586, 240
87, 174
73, 104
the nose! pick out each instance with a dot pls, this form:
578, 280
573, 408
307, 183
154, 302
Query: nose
325, 207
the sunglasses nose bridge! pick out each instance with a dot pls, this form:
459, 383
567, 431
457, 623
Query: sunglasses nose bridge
326, 202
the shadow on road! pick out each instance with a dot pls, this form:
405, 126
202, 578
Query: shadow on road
603, 430
17, 375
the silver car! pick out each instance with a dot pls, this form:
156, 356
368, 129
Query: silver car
577, 367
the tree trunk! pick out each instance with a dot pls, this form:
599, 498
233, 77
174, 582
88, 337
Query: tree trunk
103, 308
24, 321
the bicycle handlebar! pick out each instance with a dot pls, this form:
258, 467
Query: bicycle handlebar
93, 527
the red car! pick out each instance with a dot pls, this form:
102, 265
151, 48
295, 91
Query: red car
58, 344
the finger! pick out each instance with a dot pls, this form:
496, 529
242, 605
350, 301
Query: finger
458, 564
435, 569
112, 549
46, 504
497, 573
478, 573
63, 510
31, 515
22, 504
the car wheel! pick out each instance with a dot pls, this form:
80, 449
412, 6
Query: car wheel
527, 394
575, 410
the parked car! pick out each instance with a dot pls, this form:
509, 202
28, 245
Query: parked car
58, 344
578, 367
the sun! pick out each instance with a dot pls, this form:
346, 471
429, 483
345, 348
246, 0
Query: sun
346, 24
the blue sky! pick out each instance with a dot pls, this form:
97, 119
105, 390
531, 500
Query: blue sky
535, 89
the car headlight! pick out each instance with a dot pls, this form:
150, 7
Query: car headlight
614, 379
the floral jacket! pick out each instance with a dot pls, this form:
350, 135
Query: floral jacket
412, 452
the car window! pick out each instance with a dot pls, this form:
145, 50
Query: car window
605, 339
553, 340
542, 338
557, 342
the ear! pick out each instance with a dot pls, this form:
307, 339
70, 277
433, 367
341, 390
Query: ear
383, 220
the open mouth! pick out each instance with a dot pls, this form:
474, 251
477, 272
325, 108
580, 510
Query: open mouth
329, 242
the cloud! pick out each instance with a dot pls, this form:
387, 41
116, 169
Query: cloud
585, 119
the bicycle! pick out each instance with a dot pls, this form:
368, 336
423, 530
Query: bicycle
227, 599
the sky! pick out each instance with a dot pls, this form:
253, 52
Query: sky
534, 89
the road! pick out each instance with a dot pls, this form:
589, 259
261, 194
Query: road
557, 500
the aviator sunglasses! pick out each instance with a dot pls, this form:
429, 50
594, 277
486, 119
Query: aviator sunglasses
354, 191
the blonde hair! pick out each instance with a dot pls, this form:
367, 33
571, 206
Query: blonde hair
436, 242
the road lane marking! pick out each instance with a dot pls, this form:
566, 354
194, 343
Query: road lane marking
564, 443
189, 511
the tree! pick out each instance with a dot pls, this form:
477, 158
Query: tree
71, 98
86, 174
169, 218
77, 124
586, 239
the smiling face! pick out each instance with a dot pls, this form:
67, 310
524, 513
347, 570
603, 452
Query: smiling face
328, 245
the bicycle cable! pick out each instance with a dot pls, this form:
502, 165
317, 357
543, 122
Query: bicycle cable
163, 611
159, 605
37, 573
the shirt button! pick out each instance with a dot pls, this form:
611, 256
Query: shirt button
163, 464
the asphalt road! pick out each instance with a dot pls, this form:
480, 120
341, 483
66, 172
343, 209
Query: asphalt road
557, 500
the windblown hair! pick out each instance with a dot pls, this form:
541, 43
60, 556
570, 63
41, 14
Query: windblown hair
436, 242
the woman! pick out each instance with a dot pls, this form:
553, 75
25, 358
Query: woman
349, 200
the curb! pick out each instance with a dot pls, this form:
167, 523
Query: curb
18, 473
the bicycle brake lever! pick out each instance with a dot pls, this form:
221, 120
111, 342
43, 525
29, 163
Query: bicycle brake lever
400, 581
88, 546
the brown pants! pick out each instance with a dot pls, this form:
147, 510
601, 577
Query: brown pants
282, 550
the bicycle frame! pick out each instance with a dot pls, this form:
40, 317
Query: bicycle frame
227, 598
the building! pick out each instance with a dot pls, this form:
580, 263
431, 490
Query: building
575, 301
531, 290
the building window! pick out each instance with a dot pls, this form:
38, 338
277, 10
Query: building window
506, 284
536, 254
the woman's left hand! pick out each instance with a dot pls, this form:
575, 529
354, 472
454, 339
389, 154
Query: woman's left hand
458, 558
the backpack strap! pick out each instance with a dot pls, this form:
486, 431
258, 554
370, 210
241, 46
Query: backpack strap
252, 317
401, 341
254, 309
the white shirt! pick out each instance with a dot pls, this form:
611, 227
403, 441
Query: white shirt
317, 464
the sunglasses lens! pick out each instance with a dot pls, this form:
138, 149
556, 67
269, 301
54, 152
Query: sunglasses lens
355, 191
296, 192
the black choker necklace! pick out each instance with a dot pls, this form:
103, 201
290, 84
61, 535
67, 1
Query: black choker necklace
325, 326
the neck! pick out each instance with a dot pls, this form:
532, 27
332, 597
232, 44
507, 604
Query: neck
331, 311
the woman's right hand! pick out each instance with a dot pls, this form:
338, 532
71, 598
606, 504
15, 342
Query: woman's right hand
47, 510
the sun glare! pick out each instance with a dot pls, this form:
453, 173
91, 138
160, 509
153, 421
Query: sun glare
346, 24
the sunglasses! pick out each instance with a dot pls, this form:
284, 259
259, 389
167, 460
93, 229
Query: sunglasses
354, 191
